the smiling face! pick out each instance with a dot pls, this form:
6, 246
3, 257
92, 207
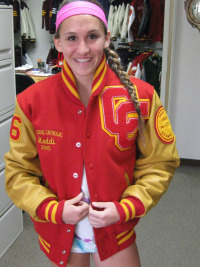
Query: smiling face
82, 41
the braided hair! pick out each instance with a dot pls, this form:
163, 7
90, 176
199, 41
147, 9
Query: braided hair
115, 65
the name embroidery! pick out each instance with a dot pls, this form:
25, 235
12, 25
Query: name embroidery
47, 138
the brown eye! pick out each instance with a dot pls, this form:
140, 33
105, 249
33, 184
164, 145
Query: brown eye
92, 36
71, 38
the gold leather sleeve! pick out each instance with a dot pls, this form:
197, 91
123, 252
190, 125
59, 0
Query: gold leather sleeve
22, 171
157, 160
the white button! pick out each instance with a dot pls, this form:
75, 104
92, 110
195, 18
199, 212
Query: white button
80, 112
61, 262
68, 230
75, 175
64, 252
78, 144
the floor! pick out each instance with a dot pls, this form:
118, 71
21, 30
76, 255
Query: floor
169, 236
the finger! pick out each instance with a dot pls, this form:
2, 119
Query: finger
94, 214
83, 203
83, 209
102, 205
95, 222
76, 199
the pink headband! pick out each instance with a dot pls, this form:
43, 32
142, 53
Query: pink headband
79, 8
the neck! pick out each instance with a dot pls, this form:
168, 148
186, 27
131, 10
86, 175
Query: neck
84, 88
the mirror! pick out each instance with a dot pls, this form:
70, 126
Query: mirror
192, 8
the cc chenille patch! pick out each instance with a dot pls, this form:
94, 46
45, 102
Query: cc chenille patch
163, 127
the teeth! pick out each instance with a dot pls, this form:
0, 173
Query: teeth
83, 60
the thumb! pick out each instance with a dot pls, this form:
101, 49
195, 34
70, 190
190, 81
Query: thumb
76, 199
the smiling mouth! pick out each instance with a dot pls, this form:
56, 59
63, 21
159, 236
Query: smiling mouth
81, 60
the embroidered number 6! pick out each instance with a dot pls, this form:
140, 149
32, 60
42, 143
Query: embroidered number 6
15, 130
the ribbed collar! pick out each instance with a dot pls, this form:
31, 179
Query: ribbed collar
98, 81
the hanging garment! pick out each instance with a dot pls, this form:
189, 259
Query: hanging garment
111, 17
55, 6
135, 16
145, 20
27, 24
121, 18
18, 56
130, 21
16, 15
152, 67
54, 57
157, 21
124, 30
116, 21
45, 15
136, 66
123, 52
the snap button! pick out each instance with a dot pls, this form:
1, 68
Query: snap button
80, 112
78, 144
64, 252
61, 262
91, 166
75, 175
68, 230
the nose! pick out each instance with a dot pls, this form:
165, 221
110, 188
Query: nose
83, 47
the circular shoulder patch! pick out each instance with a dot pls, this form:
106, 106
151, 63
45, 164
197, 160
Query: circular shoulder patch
163, 127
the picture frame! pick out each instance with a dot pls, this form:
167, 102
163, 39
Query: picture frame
192, 8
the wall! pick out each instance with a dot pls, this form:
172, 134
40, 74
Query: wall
184, 87
40, 48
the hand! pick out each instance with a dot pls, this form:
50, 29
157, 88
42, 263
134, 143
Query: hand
103, 218
74, 210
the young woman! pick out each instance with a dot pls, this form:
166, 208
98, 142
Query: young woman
92, 150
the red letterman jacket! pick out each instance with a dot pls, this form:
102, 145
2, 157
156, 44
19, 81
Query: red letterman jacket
53, 134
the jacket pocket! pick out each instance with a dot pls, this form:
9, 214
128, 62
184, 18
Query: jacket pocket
124, 232
124, 236
45, 246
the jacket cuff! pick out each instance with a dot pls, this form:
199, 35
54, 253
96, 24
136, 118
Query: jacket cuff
129, 208
51, 210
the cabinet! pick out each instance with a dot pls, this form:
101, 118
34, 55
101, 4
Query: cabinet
11, 224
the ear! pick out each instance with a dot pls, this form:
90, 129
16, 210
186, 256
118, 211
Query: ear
107, 40
57, 44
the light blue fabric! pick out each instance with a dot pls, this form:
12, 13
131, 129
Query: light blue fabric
81, 246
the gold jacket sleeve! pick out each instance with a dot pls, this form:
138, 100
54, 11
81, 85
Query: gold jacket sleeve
22, 170
155, 164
